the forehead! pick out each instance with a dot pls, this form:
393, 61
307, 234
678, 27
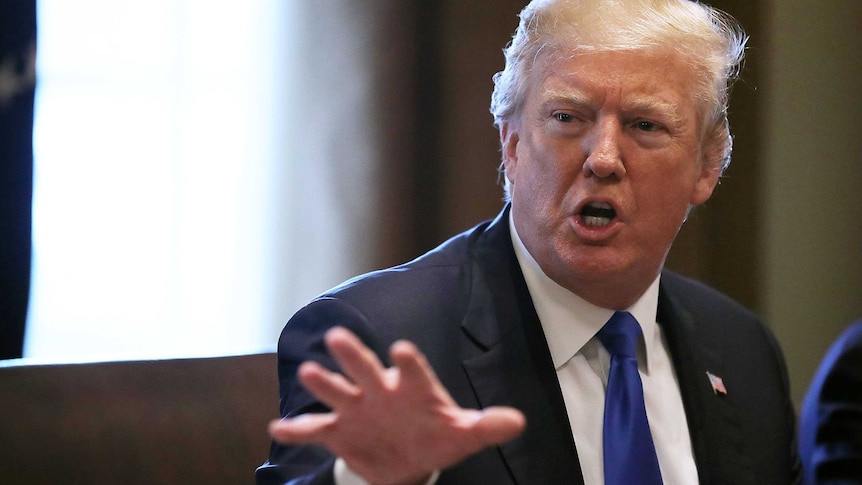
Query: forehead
630, 78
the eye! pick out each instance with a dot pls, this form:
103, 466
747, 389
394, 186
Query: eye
647, 126
564, 117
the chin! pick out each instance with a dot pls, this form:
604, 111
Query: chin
595, 264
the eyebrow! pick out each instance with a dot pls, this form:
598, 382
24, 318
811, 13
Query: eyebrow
570, 97
652, 104
643, 103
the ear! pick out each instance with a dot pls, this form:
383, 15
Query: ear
509, 147
710, 171
705, 185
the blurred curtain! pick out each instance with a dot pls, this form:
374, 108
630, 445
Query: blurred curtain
397, 94
17, 82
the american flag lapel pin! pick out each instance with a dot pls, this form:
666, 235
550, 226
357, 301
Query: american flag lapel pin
716, 383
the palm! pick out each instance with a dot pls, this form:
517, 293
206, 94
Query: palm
394, 425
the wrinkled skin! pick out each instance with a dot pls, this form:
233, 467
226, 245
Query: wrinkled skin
618, 128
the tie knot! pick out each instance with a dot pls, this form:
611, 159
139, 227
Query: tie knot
620, 334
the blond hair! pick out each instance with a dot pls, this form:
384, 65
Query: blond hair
710, 40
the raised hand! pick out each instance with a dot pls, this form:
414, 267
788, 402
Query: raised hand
391, 425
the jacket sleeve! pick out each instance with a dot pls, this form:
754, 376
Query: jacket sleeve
302, 339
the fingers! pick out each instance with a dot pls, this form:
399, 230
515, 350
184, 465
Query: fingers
491, 426
357, 361
331, 388
307, 428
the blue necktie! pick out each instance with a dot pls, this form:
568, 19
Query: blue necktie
628, 447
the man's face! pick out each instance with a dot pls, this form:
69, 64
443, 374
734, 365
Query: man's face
604, 161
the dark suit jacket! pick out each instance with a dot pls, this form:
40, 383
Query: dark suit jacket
466, 306
830, 430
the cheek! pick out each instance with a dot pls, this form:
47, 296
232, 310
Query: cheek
556, 166
535, 169
547, 169
666, 194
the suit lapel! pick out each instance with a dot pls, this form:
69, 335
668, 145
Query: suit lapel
711, 415
514, 367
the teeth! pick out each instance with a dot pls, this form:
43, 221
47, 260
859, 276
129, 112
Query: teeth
596, 221
600, 205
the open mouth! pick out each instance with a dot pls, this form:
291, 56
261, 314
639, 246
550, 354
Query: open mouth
597, 214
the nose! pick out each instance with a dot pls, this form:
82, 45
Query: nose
602, 147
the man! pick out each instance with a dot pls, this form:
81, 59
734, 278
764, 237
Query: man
830, 425
612, 118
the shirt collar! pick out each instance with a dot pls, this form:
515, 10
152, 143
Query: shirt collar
569, 321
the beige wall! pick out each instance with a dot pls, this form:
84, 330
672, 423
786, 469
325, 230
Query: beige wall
812, 170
